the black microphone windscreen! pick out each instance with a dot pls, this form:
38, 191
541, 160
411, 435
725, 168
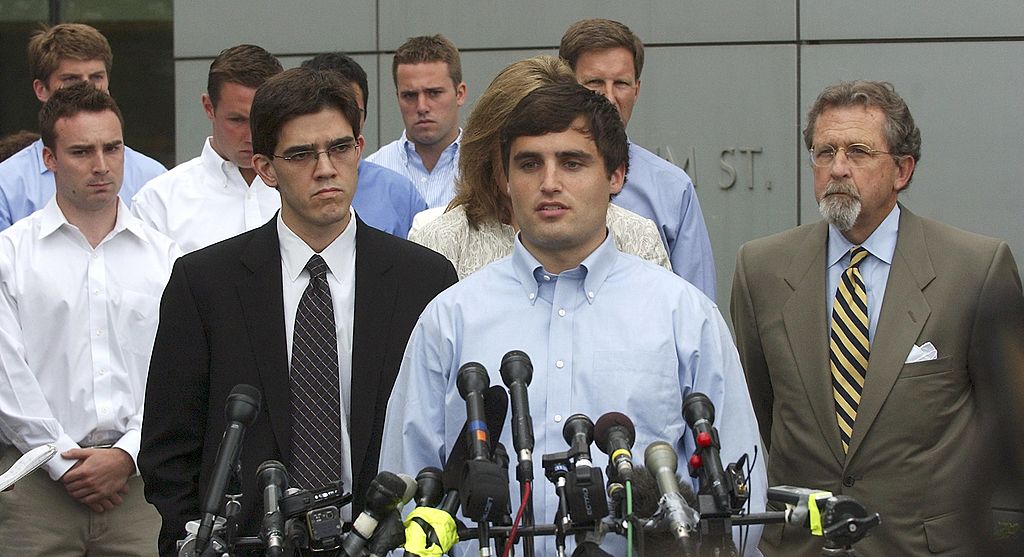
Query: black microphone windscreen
272, 471
243, 404
697, 406
604, 426
516, 365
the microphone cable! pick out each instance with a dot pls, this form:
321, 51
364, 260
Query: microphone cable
527, 493
629, 513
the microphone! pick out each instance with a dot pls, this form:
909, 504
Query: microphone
615, 435
516, 373
585, 491
495, 411
661, 461
471, 381
483, 489
242, 407
272, 479
387, 492
578, 432
429, 487
699, 413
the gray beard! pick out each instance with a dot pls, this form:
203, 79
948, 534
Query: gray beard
840, 211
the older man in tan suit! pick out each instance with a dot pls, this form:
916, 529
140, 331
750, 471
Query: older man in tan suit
865, 338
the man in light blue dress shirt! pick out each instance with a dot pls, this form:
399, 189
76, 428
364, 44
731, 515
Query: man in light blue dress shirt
58, 56
606, 331
428, 79
608, 58
385, 199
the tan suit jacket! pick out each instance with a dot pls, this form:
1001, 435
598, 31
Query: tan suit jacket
916, 439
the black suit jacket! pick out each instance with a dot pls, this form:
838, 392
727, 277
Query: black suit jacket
222, 323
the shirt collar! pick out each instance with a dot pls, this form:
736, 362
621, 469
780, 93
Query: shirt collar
594, 268
881, 243
295, 252
217, 165
410, 147
51, 219
37, 156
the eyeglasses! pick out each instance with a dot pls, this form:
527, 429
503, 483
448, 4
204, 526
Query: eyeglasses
342, 152
857, 155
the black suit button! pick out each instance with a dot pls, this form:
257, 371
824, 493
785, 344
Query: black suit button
848, 481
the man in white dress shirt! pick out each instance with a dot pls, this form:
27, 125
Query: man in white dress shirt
217, 195
80, 284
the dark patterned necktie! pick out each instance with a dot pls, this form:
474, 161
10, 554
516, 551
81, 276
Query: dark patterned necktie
848, 344
315, 399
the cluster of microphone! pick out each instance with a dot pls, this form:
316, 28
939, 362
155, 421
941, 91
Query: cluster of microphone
475, 484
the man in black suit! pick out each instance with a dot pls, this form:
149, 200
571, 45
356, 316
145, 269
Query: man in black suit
229, 316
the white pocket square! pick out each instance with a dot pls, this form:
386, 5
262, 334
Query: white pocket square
922, 353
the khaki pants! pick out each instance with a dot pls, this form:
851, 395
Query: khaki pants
39, 518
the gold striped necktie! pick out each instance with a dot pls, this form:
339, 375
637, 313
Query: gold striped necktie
848, 344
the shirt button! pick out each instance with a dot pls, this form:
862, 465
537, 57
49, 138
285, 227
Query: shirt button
547, 277
561, 313
99, 332
97, 291
590, 294
848, 481
95, 256
559, 364
558, 418
103, 371
532, 295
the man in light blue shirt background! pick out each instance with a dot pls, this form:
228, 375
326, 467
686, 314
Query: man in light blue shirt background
608, 58
384, 199
428, 79
58, 56
606, 331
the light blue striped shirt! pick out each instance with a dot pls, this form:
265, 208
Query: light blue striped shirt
437, 186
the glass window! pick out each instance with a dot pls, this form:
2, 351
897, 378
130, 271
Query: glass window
141, 35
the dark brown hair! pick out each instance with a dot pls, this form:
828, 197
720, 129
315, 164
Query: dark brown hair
69, 101
297, 92
599, 34
428, 48
554, 109
246, 64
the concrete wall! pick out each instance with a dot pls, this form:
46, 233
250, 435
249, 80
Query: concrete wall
725, 88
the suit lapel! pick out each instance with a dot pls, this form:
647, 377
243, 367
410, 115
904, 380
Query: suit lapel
904, 313
262, 301
374, 306
807, 330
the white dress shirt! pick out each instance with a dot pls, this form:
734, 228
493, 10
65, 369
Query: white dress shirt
204, 200
76, 331
340, 257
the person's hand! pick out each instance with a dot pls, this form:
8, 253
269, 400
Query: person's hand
99, 478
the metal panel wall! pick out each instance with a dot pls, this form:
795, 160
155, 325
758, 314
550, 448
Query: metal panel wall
725, 88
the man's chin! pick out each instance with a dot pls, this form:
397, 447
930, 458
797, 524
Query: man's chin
840, 211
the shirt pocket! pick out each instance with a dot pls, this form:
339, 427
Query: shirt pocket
137, 317
637, 383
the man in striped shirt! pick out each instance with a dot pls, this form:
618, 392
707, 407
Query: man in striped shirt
428, 80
